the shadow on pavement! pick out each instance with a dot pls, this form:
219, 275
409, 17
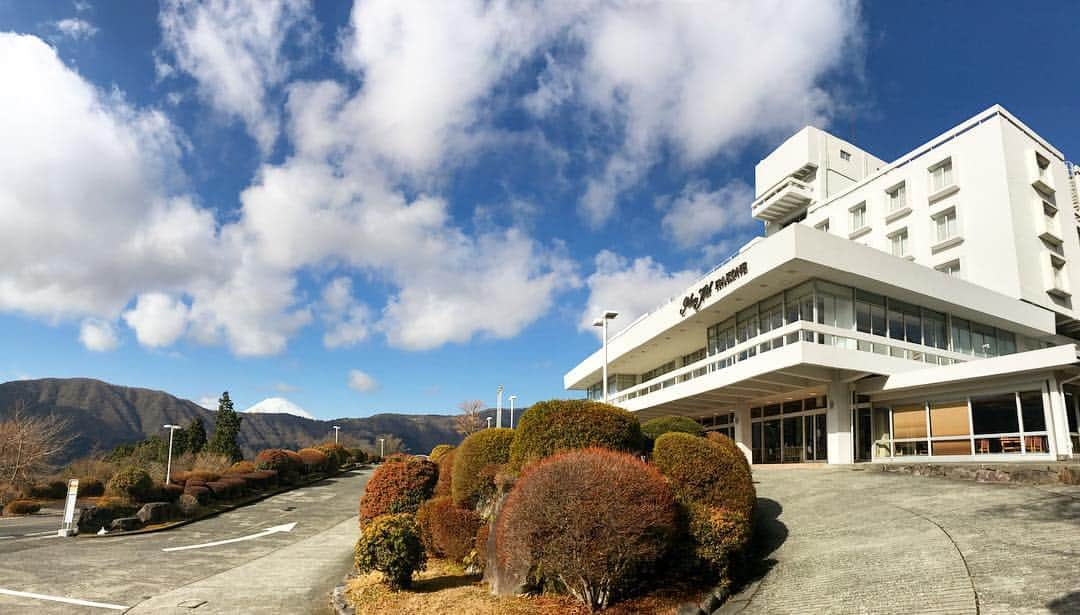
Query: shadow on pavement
769, 534
1069, 604
1053, 508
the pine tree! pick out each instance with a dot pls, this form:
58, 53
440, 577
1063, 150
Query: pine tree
196, 436
226, 430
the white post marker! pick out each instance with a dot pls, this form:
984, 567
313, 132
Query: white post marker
512, 398
498, 408
67, 528
270, 530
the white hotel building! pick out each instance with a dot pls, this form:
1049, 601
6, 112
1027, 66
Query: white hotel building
921, 309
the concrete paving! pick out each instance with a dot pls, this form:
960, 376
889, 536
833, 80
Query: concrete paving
282, 572
846, 540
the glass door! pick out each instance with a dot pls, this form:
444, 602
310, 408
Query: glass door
771, 441
792, 434
863, 434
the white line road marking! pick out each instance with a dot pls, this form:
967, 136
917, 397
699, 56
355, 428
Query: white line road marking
76, 601
270, 530
53, 532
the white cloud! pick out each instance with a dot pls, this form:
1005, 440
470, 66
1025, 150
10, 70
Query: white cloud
361, 382
82, 5
210, 402
98, 335
75, 28
285, 387
158, 319
698, 214
631, 288
234, 51
348, 322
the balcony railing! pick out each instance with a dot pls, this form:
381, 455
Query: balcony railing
782, 200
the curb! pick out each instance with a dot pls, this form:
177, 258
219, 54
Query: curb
211, 514
339, 605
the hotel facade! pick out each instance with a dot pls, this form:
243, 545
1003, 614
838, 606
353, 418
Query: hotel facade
916, 310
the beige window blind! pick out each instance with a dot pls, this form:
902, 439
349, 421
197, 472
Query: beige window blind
909, 422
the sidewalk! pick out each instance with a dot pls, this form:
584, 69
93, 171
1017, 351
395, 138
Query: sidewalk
295, 579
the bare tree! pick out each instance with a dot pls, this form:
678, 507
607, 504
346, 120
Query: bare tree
27, 443
392, 444
469, 421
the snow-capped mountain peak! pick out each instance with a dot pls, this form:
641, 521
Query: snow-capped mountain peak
279, 405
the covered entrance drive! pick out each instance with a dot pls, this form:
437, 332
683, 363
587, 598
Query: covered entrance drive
792, 431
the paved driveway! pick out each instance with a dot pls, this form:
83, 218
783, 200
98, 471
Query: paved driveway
284, 572
852, 540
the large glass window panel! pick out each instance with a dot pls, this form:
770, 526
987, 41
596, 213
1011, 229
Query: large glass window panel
1070, 410
1006, 342
910, 449
994, 414
800, 303
951, 447
835, 305
1031, 411
934, 331
961, 336
746, 324
756, 442
771, 441
909, 422
896, 321
949, 418
983, 340
881, 432
792, 440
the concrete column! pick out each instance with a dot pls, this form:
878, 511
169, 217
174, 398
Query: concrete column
838, 423
743, 435
1057, 420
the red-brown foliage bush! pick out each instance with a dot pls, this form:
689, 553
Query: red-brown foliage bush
548, 427
274, 459
314, 460
446, 473
475, 463
221, 491
447, 530
338, 454
200, 493
587, 521
21, 507
398, 487
711, 471
173, 492
203, 475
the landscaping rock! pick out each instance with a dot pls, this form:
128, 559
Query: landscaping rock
990, 475
125, 524
154, 512
188, 504
689, 609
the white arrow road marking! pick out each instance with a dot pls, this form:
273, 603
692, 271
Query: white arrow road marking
97, 605
270, 530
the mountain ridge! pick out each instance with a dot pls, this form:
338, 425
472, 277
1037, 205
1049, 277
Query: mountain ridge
104, 415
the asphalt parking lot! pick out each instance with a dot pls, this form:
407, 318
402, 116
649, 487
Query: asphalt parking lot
852, 540
266, 572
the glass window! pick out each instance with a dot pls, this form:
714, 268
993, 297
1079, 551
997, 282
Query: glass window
800, 303
909, 422
835, 305
961, 336
899, 243
951, 447
772, 410
1006, 342
994, 414
945, 225
941, 176
746, 324
950, 268
772, 313
897, 198
949, 419
983, 340
823, 225
1070, 411
934, 330
858, 216
1031, 410
845, 155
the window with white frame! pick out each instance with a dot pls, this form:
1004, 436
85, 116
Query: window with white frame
845, 155
941, 175
951, 268
1057, 271
897, 198
823, 225
858, 216
1042, 165
899, 242
945, 226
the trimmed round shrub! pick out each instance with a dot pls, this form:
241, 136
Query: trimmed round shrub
116, 506
53, 490
132, 483
446, 473
475, 463
654, 428
448, 530
241, 467
21, 507
173, 492
718, 537
587, 522
359, 455
199, 492
337, 455
286, 465
203, 475
297, 462
314, 460
476, 560
91, 487
549, 427
398, 488
391, 545
711, 471
438, 452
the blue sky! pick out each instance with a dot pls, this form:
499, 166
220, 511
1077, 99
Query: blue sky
423, 201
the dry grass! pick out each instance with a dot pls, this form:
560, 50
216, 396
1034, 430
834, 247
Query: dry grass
445, 588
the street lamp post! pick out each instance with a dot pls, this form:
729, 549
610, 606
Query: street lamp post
337, 429
382, 447
489, 422
498, 408
512, 398
602, 322
168, 465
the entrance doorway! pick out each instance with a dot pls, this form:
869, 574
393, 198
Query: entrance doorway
792, 432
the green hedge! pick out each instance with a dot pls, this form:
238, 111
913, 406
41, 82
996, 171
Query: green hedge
654, 428
548, 427
476, 461
438, 452
131, 483
711, 471
391, 545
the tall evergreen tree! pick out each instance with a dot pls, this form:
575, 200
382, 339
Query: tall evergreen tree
226, 430
196, 435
